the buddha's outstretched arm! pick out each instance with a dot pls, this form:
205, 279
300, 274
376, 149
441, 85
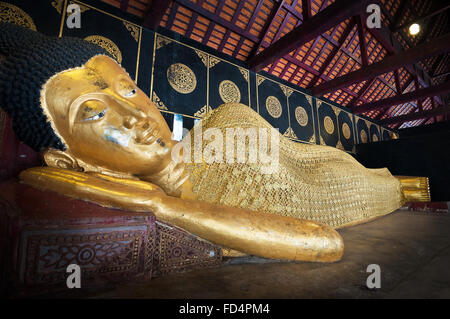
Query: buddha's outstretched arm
255, 233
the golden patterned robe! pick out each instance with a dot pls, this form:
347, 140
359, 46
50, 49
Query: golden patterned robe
313, 182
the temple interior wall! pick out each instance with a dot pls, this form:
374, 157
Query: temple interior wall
186, 80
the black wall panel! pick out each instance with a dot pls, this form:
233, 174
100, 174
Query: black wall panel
272, 103
301, 111
186, 78
328, 124
42, 16
362, 130
120, 37
227, 83
180, 78
374, 133
346, 132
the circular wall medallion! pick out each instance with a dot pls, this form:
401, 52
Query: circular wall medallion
229, 92
106, 44
374, 138
346, 131
301, 116
363, 136
181, 78
328, 124
273, 106
12, 14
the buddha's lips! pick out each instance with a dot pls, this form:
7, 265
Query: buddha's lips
149, 135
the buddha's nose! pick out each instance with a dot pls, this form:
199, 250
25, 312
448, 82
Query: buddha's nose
129, 121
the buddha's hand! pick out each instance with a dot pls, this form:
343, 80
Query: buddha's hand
254, 233
127, 194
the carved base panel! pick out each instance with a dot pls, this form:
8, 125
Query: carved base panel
42, 233
178, 251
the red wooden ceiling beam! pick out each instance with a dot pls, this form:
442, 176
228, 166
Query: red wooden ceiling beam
315, 72
216, 19
441, 75
421, 19
417, 87
403, 98
306, 8
435, 47
393, 46
212, 23
362, 41
155, 12
275, 12
124, 5
248, 28
335, 50
307, 31
417, 115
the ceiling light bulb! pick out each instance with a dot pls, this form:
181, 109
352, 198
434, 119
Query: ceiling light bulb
414, 29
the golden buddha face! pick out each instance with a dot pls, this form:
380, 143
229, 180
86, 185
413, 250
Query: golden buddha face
105, 120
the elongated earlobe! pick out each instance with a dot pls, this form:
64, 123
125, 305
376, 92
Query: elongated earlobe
61, 159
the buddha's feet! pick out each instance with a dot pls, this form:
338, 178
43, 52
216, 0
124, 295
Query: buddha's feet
415, 189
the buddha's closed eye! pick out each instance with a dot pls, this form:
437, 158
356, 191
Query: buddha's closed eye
91, 111
131, 93
126, 88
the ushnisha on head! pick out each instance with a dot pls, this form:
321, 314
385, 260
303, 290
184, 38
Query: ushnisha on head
67, 97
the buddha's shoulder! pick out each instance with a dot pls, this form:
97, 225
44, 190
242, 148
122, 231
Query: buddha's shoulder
233, 108
236, 112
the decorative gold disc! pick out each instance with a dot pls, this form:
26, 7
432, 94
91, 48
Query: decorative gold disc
301, 116
273, 106
11, 14
363, 136
328, 124
229, 92
374, 138
346, 131
106, 44
181, 78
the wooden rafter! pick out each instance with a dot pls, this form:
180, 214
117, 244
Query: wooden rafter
275, 12
216, 19
434, 47
424, 17
124, 5
307, 31
362, 41
403, 98
155, 12
416, 116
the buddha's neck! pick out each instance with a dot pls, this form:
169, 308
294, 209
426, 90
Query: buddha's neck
171, 179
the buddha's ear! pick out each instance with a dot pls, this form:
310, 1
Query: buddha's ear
60, 159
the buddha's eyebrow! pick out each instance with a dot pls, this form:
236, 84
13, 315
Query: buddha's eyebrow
101, 84
75, 105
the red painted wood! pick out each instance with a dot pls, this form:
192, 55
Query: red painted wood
124, 5
362, 41
216, 19
435, 47
404, 98
307, 31
336, 49
155, 12
443, 110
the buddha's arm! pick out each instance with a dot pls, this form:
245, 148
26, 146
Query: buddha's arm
254, 233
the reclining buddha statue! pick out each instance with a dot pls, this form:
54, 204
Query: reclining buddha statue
105, 142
